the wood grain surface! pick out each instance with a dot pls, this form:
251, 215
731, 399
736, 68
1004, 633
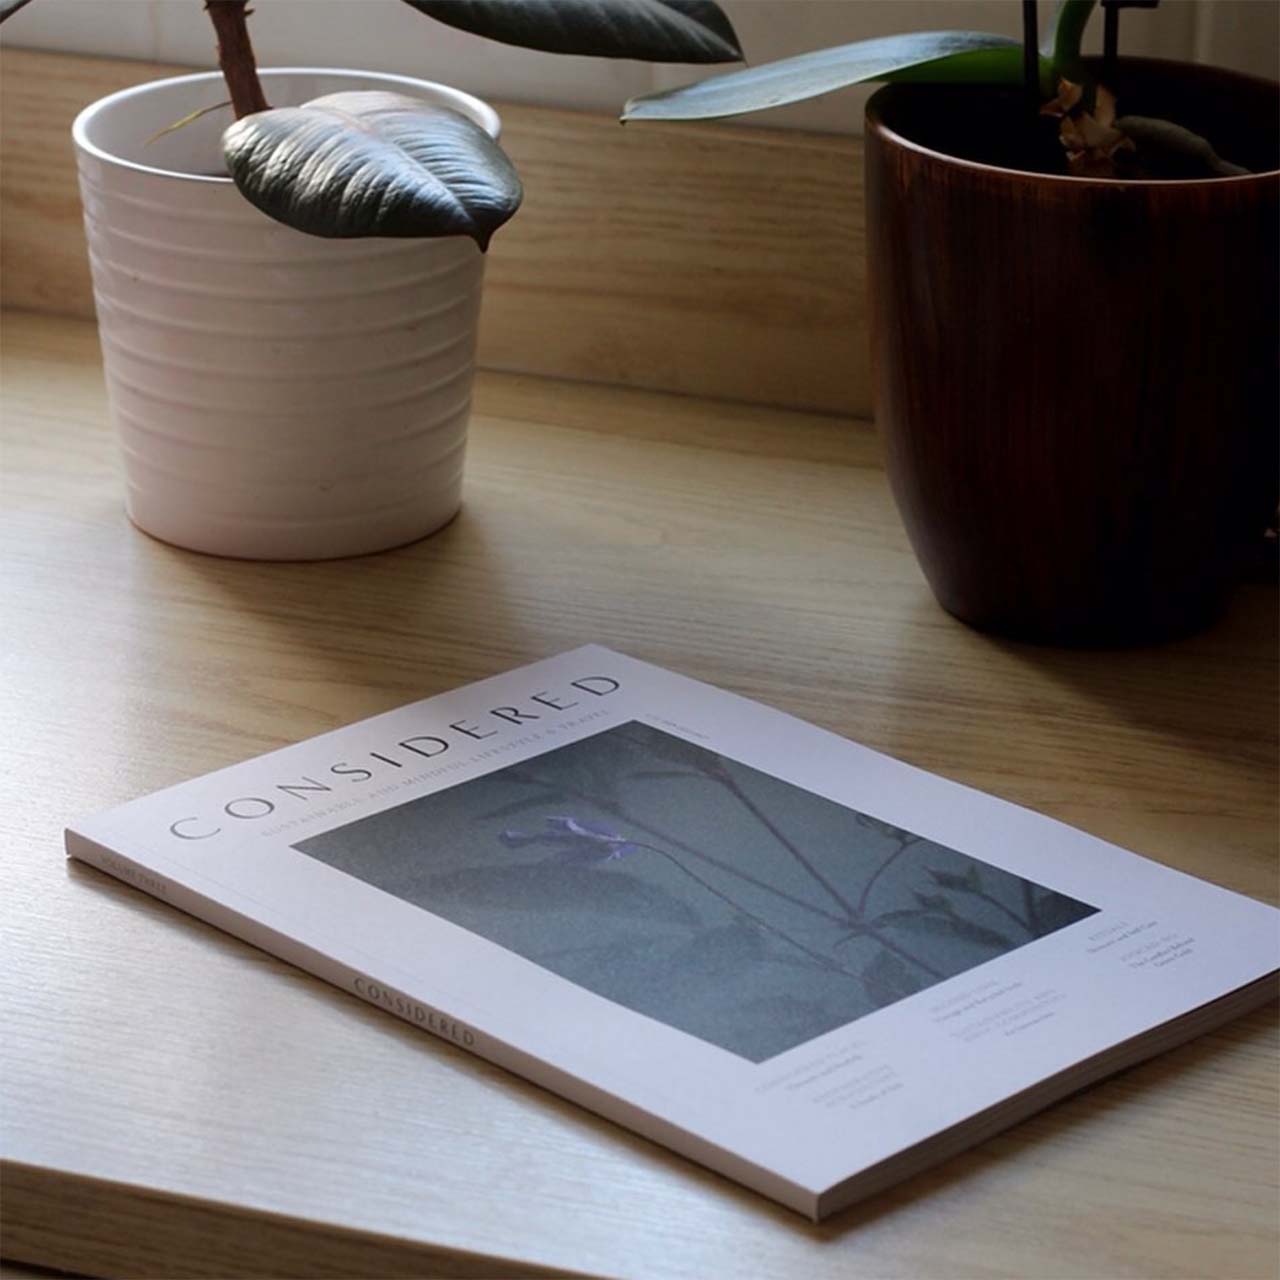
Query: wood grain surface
179, 1104
710, 260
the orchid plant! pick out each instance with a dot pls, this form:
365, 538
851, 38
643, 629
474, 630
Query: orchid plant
1059, 82
385, 164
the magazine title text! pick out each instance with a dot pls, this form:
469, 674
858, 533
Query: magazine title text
367, 766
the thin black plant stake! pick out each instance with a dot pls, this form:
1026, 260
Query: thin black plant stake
1111, 31
1110, 38
1031, 53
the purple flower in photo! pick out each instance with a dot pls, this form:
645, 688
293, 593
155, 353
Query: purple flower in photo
574, 841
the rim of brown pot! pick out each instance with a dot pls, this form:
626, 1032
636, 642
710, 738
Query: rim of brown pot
876, 123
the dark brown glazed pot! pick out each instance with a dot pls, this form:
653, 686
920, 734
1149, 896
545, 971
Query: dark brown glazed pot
1076, 379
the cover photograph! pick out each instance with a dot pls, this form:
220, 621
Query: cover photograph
805, 964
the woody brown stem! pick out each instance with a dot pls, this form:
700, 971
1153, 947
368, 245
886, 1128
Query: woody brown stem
235, 55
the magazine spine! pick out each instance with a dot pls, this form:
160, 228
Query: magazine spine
373, 990
364, 986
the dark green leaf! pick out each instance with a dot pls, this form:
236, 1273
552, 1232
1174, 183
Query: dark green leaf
1061, 42
373, 164
654, 30
931, 56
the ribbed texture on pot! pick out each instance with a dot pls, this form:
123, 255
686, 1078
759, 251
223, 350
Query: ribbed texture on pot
276, 395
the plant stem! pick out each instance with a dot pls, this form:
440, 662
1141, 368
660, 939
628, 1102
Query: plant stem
747, 803
881, 869
617, 811
902, 952
825, 961
1013, 915
720, 865
869, 931
235, 55
1073, 17
850, 917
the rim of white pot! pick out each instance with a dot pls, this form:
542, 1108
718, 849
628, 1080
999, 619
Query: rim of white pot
466, 103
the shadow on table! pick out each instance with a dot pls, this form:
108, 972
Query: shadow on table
1062, 1125
409, 621
991, 1168
1214, 693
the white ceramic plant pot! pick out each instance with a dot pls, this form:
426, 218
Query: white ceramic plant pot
276, 396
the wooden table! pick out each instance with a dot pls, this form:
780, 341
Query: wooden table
177, 1103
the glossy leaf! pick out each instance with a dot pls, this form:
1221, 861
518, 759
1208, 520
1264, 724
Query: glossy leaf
1061, 43
373, 164
924, 56
654, 30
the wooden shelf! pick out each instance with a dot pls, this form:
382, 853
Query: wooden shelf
710, 260
179, 1104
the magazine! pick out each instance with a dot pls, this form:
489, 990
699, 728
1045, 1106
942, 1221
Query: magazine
811, 967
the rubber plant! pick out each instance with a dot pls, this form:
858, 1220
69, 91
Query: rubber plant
1059, 82
383, 164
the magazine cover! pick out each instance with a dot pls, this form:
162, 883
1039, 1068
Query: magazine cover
810, 966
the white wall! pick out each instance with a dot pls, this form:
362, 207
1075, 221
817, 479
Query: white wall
386, 35
1241, 34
